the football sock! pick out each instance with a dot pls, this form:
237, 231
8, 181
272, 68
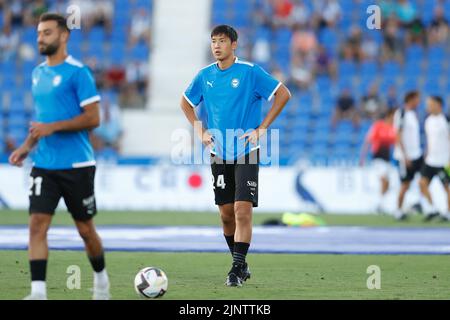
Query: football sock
230, 242
240, 252
98, 263
101, 278
38, 270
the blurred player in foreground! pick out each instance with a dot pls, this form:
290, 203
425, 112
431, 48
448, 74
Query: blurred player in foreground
408, 151
437, 156
67, 107
381, 138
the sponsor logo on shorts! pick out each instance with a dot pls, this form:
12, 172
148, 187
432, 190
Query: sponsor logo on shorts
90, 204
251, 184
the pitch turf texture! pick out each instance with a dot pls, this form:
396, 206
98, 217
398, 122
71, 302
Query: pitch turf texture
202, 275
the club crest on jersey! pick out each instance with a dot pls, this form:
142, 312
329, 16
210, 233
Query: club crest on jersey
235, 83
57, 81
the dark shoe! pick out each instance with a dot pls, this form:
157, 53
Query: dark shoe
417, 209
233, 280
403, 217
444, 219
246, 272
431, 216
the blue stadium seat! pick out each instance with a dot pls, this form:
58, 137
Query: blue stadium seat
415, 53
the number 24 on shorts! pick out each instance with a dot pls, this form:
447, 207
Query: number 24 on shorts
220, 182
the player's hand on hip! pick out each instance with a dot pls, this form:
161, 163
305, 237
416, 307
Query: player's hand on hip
253, 136
18, 156
207, 139
39, 129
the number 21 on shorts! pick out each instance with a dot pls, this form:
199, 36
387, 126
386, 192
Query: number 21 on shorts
220, 182
37, 184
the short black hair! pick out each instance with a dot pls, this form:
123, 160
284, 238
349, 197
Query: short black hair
438, 99
60, 20
411, 95
225, 30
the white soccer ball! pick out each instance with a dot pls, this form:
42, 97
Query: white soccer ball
150, 282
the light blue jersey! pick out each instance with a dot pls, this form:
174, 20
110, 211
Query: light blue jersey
60, 93
232, 99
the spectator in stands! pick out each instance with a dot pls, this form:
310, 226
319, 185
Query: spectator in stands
137, 72
96, 13
370, 48
324, 63
388, 8
115, 77
282, 10
130, 98
372, 106
261, 51
108, 134
393, 45
9, 42
439, 29
98, 71
302, 70
345, 109
329, 12
405, 12
140, 27
352, 46
300, 13
34, 10
261, 15
15, 13
59, 6
304, 40
391, 98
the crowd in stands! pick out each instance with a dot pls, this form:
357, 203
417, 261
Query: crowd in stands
114, 41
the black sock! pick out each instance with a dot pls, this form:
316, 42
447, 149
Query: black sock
38, 269
230, 242
98, 263
239, 253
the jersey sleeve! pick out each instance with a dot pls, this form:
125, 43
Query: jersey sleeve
194, 93
85, 87
265, 84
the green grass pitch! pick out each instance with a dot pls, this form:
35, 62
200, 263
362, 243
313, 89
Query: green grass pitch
202, 275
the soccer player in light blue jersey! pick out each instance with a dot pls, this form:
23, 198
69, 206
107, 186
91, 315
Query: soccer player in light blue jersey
231, 91
67, 107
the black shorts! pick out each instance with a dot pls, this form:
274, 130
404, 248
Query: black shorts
75, 186
407, 173
237, 181
429, 173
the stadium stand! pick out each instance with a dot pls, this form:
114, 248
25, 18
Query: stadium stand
115, 48
318, 47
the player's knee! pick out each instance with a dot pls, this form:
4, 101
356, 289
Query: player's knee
38, 225
227, 217
85, 231
423, 183
243, 214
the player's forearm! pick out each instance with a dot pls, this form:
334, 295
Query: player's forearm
84, 121
192, 117
29, 142
282, 96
